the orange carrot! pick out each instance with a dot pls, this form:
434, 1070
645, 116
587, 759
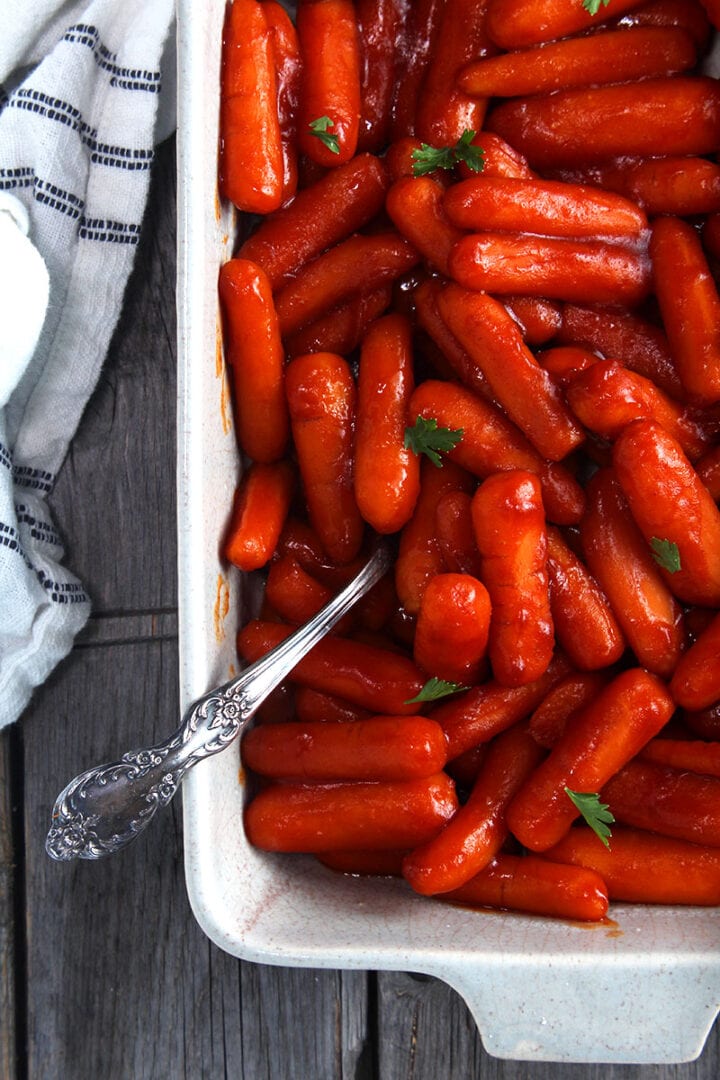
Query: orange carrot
539, 319
342, 328
687, 755
454, 530
288, 67
380, 25
696, 680
261, 505
415, 207
672, 802
574, 692
451, 635
314, 705
513, 24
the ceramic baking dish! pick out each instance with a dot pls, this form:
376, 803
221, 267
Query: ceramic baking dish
644, 988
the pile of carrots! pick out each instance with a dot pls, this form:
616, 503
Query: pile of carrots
475, 309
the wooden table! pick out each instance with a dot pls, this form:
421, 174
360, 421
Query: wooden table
103, 970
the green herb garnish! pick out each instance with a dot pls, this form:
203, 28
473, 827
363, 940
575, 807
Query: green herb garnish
428, 158
593, 6
596, 814
320, 128
435, 689
666, 554
427, 438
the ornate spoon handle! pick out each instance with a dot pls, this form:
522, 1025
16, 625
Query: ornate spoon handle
106, 807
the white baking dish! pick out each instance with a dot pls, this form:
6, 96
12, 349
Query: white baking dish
645, 988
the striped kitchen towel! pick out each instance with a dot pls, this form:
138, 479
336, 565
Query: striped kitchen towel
81, 97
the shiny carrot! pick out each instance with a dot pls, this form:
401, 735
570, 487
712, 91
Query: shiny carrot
415, 207
684, 186
574, 692
339, 203
548, 207
451, 635
381, 24
539, 319
671, 504
255, 355
687, 15
299, 540
314, 705
695, 683
492, 338
342, 328
672, 802
511, 536
414, 49
454, 530
328, 35
251, 157
681, 114
514, 24
595, 744
564, 363
689, 304
379, 748
295, 595
492, 443
321, 400
355, 265
288, 67
642, 867
535, 886
585, 625
621, 561
364, 675
584, 271
453, 353
691, 755
386, 473
499, 158
362, 816
476, 833
261, 505
481, 713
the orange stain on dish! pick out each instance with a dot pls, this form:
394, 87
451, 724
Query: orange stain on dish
221, 607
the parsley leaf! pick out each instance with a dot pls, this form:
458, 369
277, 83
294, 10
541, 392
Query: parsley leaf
596, 814
666, 554
427, 438
593, 6
436, 688
320, 128
428, 158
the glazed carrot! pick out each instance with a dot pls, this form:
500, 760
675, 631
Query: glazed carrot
550, 207
379, 748
313, 705
689, 304
669, 501
355, 265
680, 114
688, 15
419, 555
492, 443
684, 186
414, 48
288, 68
597, 741
295, 595
454, 530
380, 25
481, 713
451, 635
364, 675
539, 319
255, 355
370, 863
328, 35
509, 523
584, 271
696, 680
456, 357
387, 474
708, 469
251, 158
444, 111
574, 692
585, 626
261, 505
299, 540
327, 817
619, 558
321, 400
476, 833
624, 336
641, 867
415, 207
465, 768
691, 755
607, 397
535, 886
499, 158
492, 338
672, 802
342, 329
564, 363
320, 216
513, 24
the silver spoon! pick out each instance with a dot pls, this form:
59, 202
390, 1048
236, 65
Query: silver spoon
104, 808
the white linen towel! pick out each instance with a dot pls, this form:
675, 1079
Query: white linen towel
80, 88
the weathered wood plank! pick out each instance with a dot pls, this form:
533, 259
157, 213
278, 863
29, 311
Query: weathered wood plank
8, 1018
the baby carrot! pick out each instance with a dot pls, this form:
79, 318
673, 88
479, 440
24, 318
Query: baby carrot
453, 353
451, 634
597, 741
262, 503
321, 400
255, 355
341, 329
564, 363
695, 683
380, 25
671, 505
314, 705
295, 595
539, 319
574, 692
672, 802
251, 157
684, 186
348, 816
687, 755
415, 207
510, 532
454, 530
414, 49
513, 24
328, 35
288, 67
